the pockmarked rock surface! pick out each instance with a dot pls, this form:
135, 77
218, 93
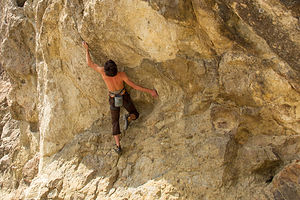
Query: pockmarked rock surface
226, 124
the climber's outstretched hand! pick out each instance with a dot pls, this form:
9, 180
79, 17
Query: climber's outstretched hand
85, 45
154, 93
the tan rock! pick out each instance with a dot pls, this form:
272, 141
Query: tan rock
286, 182
30, 169
225, 125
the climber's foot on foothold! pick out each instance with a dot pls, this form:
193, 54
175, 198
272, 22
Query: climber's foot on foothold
118, 150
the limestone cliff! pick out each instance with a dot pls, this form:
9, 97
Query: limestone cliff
226, 124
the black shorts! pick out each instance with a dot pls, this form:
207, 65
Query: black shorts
115, 112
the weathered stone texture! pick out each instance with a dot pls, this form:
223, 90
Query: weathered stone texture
225, 125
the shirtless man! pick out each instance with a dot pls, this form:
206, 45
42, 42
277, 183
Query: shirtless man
114, 81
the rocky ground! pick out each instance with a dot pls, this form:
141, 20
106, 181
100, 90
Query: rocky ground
225, 125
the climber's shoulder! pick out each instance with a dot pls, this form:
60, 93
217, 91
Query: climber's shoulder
123, 75
99, 69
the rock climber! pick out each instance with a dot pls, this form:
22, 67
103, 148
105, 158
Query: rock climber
118, 96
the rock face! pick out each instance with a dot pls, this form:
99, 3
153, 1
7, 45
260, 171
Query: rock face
226, 124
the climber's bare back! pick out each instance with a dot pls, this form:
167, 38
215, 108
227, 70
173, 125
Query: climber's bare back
114, 83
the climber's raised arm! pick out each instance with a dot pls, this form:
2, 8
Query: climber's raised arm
136, 87
89, 60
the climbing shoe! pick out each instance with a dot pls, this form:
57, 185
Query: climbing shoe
118, 150
127, 122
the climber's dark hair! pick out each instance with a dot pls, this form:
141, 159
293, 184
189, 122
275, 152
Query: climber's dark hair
110, 68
